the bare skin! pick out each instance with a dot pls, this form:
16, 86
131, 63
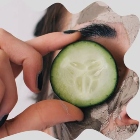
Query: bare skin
15, 56
118, 46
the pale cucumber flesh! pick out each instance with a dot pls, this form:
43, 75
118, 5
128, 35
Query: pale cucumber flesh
84, 74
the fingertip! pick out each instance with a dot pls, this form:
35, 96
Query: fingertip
3, 119
75, 33
40, 81
54, 111
73, 113
31, 81
32, 68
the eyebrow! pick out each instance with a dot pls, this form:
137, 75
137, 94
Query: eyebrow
100, 30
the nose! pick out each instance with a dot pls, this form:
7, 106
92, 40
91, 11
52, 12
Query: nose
124, 119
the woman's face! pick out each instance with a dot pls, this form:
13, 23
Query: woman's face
117, 44
115, 39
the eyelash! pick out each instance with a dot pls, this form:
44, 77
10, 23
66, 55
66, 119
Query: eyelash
100, 30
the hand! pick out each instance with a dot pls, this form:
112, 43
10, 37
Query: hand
16, 55
40, 116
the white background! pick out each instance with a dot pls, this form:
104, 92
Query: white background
20, 18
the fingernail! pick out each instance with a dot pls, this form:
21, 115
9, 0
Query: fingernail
40, 81
3, 119
70, 31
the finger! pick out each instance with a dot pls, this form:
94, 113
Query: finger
8, 93
16, 69
2, 90
44, 44
21, 54
42, 115
53, 41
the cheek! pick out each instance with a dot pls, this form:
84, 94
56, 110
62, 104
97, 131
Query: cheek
117, 47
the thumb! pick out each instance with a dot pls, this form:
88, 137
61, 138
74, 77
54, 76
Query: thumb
42, 115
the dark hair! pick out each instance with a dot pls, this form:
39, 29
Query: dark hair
50, 22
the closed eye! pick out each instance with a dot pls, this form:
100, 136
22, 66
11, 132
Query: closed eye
100, 30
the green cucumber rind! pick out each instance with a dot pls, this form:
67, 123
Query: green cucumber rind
89, 104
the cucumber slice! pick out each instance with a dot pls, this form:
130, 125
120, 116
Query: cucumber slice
84, 73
